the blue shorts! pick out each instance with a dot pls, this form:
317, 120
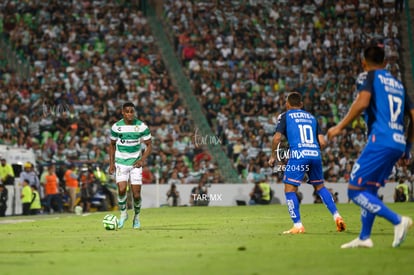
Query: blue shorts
374, 165
296, 169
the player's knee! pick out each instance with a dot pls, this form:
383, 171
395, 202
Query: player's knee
290, 188
318, 187
136, 196
122, 188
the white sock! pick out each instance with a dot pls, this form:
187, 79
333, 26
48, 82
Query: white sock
298, 224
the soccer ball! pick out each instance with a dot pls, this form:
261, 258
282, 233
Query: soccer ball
110, 222
78, 210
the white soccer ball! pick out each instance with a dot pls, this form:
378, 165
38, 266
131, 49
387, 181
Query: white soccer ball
110, 222
78, 210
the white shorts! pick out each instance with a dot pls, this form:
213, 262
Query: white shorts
125, 173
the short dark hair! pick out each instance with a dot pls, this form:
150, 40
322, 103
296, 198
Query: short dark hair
294, 99
374, 55
128, 104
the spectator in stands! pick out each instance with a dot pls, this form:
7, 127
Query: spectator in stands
174, 178
399, 6
59, 156
332, 172
87, 66
212, 107
242, 161
147, 175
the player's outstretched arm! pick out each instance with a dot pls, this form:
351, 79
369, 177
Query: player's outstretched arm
360, 103
322, 141
148, 149
275, 142
410, 129
410, 135
147, 152
111, 152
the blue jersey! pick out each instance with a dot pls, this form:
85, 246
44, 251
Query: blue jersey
301, 129
385, 114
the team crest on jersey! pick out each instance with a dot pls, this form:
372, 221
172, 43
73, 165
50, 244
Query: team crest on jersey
119, 129
136, 128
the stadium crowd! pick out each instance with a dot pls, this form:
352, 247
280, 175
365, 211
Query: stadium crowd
243, 57
89, 57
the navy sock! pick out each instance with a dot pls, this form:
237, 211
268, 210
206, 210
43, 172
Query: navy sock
372, 204
327, 200
137, 206
367, 220
293, 206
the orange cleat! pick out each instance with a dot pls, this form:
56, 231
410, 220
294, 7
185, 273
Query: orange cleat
295, 230
340, 224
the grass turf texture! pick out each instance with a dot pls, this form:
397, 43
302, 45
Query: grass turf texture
204, 240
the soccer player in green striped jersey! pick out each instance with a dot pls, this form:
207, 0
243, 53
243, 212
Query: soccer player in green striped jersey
126, 159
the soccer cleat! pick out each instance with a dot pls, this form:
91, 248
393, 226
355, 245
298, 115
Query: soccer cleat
340, 224
295, 230
122, 220
358, 243
400, 231
136, 224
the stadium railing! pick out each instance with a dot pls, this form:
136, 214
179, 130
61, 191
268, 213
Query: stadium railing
14, 60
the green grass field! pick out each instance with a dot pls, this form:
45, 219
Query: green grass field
209, 240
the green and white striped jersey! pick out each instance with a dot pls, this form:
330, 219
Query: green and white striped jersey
128, 140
